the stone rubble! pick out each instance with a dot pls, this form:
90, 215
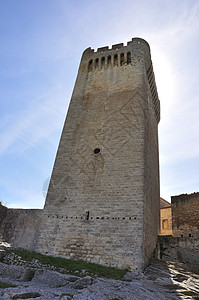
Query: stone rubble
160, 281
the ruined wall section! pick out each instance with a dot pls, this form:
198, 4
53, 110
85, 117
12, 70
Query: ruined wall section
183, 249
95, 204
185, 215
19, 227
3, 213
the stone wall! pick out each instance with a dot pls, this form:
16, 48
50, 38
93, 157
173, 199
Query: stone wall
3, 213
183, 249
185, 215
19, 227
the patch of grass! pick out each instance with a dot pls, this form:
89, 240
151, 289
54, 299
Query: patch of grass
1, 258
73, 265
4, 285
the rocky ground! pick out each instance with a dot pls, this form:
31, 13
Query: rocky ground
31, 280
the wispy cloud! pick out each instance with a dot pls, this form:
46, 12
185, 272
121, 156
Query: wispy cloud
34, 124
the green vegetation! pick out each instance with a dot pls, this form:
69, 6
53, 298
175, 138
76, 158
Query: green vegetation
1, 204
4, 285
72, 265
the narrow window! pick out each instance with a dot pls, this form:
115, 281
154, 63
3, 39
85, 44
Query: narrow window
115, 60
90, 65
109, 61
128, 58
121, 59
87, 215
164, 224
102, 62
96, 63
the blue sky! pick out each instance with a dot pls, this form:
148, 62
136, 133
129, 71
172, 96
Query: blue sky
41, 43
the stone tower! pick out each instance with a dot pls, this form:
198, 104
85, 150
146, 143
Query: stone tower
103, 200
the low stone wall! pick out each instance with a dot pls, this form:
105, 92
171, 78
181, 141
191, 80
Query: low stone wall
3, 213
19, 227
183, 249
185, 211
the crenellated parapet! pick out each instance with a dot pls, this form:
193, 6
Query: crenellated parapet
120, 56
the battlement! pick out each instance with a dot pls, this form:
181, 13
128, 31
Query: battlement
133, 42
136, 51
118, 55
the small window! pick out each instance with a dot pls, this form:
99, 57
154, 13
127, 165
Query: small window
96, 151
90, 65
164, 224
121, 59
128, 58
115, 60
96, 63
102, 62
87, 215
109, 61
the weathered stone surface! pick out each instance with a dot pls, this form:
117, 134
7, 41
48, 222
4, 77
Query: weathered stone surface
19, 226
12, 271
129, 276
179, 249
28, 274
84, 282
185, 215
50, 278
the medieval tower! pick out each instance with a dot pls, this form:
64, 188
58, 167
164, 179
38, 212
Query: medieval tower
103, 200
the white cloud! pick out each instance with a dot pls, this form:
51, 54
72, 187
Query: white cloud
34, 124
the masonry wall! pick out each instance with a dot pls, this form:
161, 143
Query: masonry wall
183, 249
97, 203
19, 227
3, 213
185, 215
